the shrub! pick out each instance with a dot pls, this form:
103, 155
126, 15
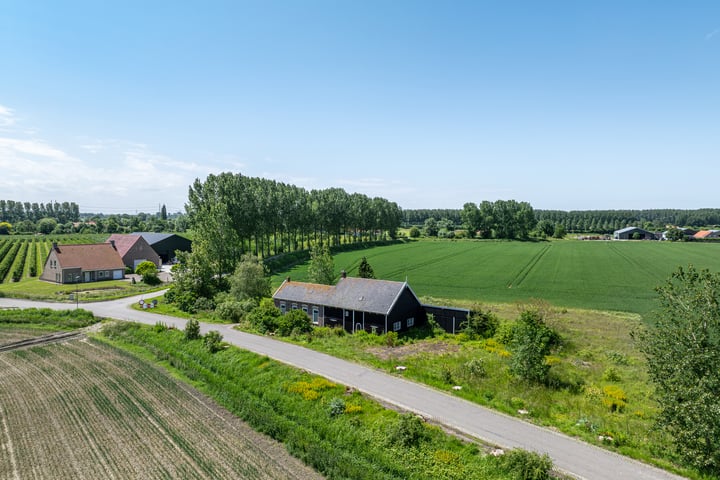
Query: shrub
264, 317
409, 431
391, 339
480, 324
203, 304
532, 341
525, 465
148, 271
474, 368
414, 232
232, 311
192, 329
183, 299
611, 374
213, 341
293, 322
336, 407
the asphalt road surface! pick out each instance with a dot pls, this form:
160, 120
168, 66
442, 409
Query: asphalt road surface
579, 459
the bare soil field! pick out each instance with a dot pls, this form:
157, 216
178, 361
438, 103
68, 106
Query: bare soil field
84, 410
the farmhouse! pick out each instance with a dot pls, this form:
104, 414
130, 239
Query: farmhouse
134, 250
166, 244
633, 233
83, 263
354, 304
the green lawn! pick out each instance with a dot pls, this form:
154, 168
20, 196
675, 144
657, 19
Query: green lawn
602, 275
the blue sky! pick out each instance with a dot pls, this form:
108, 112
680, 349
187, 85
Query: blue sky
119, 106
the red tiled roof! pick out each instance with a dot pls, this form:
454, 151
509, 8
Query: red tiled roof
702, 233
96, 256
123, 243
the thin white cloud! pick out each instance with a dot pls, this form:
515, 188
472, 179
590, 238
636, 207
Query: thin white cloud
712, 34
118, 175
32, 147
7, 118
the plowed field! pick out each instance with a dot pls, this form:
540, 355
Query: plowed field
84, 410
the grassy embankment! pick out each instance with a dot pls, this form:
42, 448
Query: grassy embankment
336, 430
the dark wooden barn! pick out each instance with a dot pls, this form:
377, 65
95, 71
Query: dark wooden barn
354, 304
166, 244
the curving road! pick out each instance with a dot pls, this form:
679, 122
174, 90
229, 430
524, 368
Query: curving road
579, 459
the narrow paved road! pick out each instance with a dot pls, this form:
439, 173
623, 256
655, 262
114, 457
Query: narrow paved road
582, 460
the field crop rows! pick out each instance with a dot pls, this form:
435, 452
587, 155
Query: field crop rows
24, 256
599, 275
86, 410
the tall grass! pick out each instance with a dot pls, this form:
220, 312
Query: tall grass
304, 413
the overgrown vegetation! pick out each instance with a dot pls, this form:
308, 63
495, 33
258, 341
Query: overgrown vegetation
593, 384
340, 433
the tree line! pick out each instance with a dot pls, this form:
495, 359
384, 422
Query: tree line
232, 214
595, 221
12, 211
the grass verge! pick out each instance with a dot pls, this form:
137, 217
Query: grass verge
336, 430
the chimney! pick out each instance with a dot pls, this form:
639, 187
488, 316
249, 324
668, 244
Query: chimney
343, 274
112, 242
55, 246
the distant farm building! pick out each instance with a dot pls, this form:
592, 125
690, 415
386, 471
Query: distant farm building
134, 249
83, 263
370, 305
633, 233
707, 234
166, 244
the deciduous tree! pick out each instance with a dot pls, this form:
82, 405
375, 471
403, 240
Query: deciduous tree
250, 279
682, 348
322, 266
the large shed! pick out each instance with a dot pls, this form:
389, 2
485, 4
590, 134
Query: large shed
633, 233
166, 244
354, 304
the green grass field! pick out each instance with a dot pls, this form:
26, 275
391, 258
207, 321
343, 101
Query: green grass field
598, 275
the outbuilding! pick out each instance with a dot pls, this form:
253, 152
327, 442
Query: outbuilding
633, 233
166, 244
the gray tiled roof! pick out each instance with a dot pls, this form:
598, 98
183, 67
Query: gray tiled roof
361, 294
152, 237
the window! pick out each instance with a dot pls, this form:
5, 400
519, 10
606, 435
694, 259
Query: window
100, 274
282, 307
315, 316
305, 309
411, 321
294, 306
397, 326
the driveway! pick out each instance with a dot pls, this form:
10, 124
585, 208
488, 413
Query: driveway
582, 460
